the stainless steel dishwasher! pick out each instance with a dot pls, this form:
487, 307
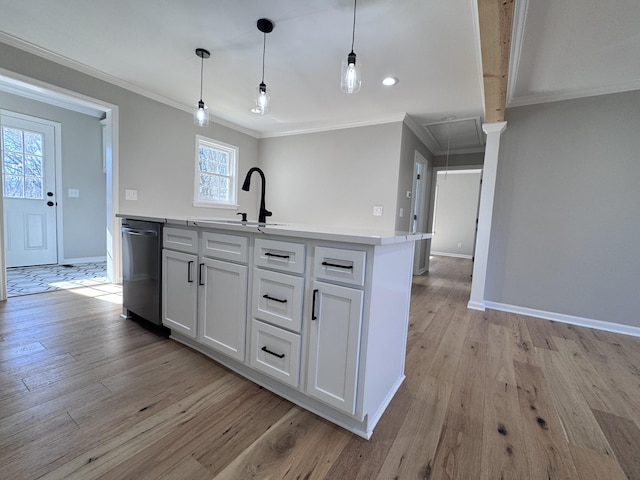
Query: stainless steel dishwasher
142, 269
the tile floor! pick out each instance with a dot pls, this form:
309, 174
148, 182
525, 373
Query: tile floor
45, 278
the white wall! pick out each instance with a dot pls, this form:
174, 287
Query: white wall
334, 178
566, 221
456, 210
83, 217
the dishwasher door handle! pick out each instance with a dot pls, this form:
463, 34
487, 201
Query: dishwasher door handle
145, 233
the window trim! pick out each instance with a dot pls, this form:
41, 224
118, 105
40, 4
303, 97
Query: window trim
235, 152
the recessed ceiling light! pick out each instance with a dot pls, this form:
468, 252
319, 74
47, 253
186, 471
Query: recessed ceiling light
390, 81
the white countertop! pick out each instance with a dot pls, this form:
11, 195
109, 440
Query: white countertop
338, 234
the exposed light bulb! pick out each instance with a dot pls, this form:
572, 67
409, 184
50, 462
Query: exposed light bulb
263, 100
351, 78
201, 116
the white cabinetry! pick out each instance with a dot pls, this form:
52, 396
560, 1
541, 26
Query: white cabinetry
334, 345
179, 280
222, 306
179, 291
205, 298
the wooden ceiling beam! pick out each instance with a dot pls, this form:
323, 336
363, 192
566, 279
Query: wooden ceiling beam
496, 23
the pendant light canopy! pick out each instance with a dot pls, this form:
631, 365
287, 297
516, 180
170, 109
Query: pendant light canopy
263, 94
351, 77
201, 111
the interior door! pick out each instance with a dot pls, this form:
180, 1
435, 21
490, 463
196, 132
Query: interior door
28, 174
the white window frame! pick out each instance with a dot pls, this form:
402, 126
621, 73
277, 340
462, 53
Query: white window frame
233, 152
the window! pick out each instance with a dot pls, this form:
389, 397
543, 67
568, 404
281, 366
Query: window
216, 174
22, 163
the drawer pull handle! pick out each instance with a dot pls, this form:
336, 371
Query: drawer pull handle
201, 276
274, 299
269, 254
265, 349
189, 265
327, 264
313, 305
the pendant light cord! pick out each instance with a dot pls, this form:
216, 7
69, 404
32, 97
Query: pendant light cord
264, 49
201, 74
353, 32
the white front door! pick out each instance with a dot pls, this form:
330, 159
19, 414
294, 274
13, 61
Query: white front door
28, 175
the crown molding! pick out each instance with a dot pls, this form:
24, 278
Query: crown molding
328, 128
558, 96
422, 134
521, 7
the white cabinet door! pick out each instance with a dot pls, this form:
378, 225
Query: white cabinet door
223, 306
179, 291
334, 345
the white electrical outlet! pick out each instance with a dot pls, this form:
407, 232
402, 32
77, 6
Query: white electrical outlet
408, 193
130, 194
73, 192
401, 213
377, 210
459, 244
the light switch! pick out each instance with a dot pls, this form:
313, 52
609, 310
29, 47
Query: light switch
130, 194
401, 213
73, 192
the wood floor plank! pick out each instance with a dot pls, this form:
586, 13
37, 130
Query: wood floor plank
546, 445
624, 437
579, 425
593, 466
413, 452
504, 454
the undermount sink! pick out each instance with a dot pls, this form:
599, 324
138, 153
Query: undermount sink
233, 221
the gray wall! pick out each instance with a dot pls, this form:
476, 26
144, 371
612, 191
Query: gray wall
409, 144
566, 221
456, 213
334, 178
84, 217
157, 142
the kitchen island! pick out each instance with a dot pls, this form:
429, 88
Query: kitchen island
317, 315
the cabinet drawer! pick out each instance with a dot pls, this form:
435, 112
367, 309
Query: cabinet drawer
180, 239
339, 265
277, 298
283, 256
275, 352
224, 247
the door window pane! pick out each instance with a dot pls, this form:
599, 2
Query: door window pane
22, 163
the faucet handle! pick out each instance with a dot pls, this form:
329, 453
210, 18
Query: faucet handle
244, 216
267, 213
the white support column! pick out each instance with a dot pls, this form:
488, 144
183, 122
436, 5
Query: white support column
485, 213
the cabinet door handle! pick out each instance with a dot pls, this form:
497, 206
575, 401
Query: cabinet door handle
200, 281
265, 349
313, 305
327, 264
189, 265
269, 254
274, 299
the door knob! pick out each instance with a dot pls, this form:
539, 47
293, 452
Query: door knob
49, 194
50, 203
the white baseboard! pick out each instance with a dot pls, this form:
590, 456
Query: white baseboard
456, 255
560, 317
68, 261
476, 305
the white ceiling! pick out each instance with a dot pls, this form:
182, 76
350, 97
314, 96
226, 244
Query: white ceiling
560, 49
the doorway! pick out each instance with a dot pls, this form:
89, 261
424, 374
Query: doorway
30, 152
33, 89
418, 209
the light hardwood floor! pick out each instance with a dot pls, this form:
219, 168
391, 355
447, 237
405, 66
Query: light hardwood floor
86, 394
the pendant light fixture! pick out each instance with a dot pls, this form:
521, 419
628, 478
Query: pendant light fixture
351, 77
263, 94
201, 111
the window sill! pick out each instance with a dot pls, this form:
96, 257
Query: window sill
226, 206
